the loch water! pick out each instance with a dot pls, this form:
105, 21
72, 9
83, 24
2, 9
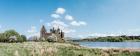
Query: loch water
110, 44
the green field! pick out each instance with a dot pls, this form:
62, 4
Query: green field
56, 49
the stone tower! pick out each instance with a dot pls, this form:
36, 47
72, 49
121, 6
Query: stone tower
43, 32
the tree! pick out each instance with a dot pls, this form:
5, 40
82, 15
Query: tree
12, 36
23, 37
1, 37
11, 33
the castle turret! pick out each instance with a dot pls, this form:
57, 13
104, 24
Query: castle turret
62, 34
58, 30
43, 31
53, 30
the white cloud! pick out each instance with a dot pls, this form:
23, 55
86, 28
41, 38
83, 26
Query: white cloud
49, 24
32, 29
0, 26
69, 17
102, 34
134, 30
81, 36
82, 23
55, 16
76, 23
60, 11
63, 26
41, 20
67, 30
57, 23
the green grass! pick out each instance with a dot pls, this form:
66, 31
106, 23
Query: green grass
56, 49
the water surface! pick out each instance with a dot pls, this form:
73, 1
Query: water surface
111, 44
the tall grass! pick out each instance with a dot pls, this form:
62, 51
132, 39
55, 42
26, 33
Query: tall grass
56, 49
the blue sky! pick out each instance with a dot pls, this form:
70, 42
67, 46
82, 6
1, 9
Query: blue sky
78, 18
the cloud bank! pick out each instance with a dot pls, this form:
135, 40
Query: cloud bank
65, 22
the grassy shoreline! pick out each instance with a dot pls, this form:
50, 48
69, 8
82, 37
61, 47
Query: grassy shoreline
58, 49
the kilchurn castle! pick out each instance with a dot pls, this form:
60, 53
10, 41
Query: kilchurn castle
55, 35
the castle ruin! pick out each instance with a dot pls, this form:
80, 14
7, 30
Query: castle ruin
55, 35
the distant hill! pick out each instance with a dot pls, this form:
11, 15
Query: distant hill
121, 38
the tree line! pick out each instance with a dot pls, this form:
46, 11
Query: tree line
12, 36
113, 38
